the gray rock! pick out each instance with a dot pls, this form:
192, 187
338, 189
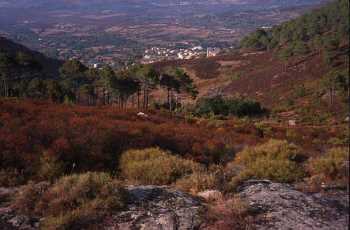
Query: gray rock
280, 206
9, 220
149, 208
158, 208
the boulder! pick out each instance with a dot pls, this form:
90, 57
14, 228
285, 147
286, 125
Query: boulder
158, 208
280, 206
143, 115
149, 208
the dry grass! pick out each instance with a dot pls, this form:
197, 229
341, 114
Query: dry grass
154, 166
331, 166
275, 160
73, 202
228, 214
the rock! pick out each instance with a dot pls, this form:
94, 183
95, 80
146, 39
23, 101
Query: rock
141, 114
6, 193
280, 206
210, 195
292, 122
149, 208
9, 220
158, 208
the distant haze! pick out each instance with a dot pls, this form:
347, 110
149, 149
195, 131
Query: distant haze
111, 30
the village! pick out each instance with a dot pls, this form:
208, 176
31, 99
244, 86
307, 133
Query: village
156, 54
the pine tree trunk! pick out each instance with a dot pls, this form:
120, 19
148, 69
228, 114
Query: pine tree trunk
147, 98
144, 98
171, 101
168, 99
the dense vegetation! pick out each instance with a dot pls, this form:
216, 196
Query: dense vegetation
22, 75
42, 141
73, 202
228, 106
154, 166
322, 35
323, 29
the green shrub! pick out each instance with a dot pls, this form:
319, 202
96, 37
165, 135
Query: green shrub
201, 180
293, 135
275, 160
50, 167
263, 129
154, 166
228, 106
73, 202
332, 165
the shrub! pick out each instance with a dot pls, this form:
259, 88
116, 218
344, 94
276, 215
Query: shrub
201, 180
263, 129
233, 106
50, 166
332, 165
11, 178
275, 160
233, 213
28, 197
73, 202
154, 166
44, 140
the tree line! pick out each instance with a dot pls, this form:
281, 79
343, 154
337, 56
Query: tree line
322, 30
325, 32
21, 76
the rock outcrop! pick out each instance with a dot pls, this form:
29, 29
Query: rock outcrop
158, 208
280, 206
273, 206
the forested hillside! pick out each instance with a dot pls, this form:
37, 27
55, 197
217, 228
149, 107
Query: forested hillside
324, 29
28, 74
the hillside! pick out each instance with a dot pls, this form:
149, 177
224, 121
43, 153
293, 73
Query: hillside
294, 85
49, 66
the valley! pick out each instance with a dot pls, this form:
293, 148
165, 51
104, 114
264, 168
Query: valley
118, 32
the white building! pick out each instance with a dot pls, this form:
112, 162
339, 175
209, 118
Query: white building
180, 56
212, 52
199, 48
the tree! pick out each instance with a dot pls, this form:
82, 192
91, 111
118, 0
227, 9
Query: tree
125, 87
186, 83
107, 81
300, 48
54, 91
285, 54
6, 64
149, 79
334, 81
317, 43
89, 91
171, 83
257, 40
73, 74
27, 60
37, 88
